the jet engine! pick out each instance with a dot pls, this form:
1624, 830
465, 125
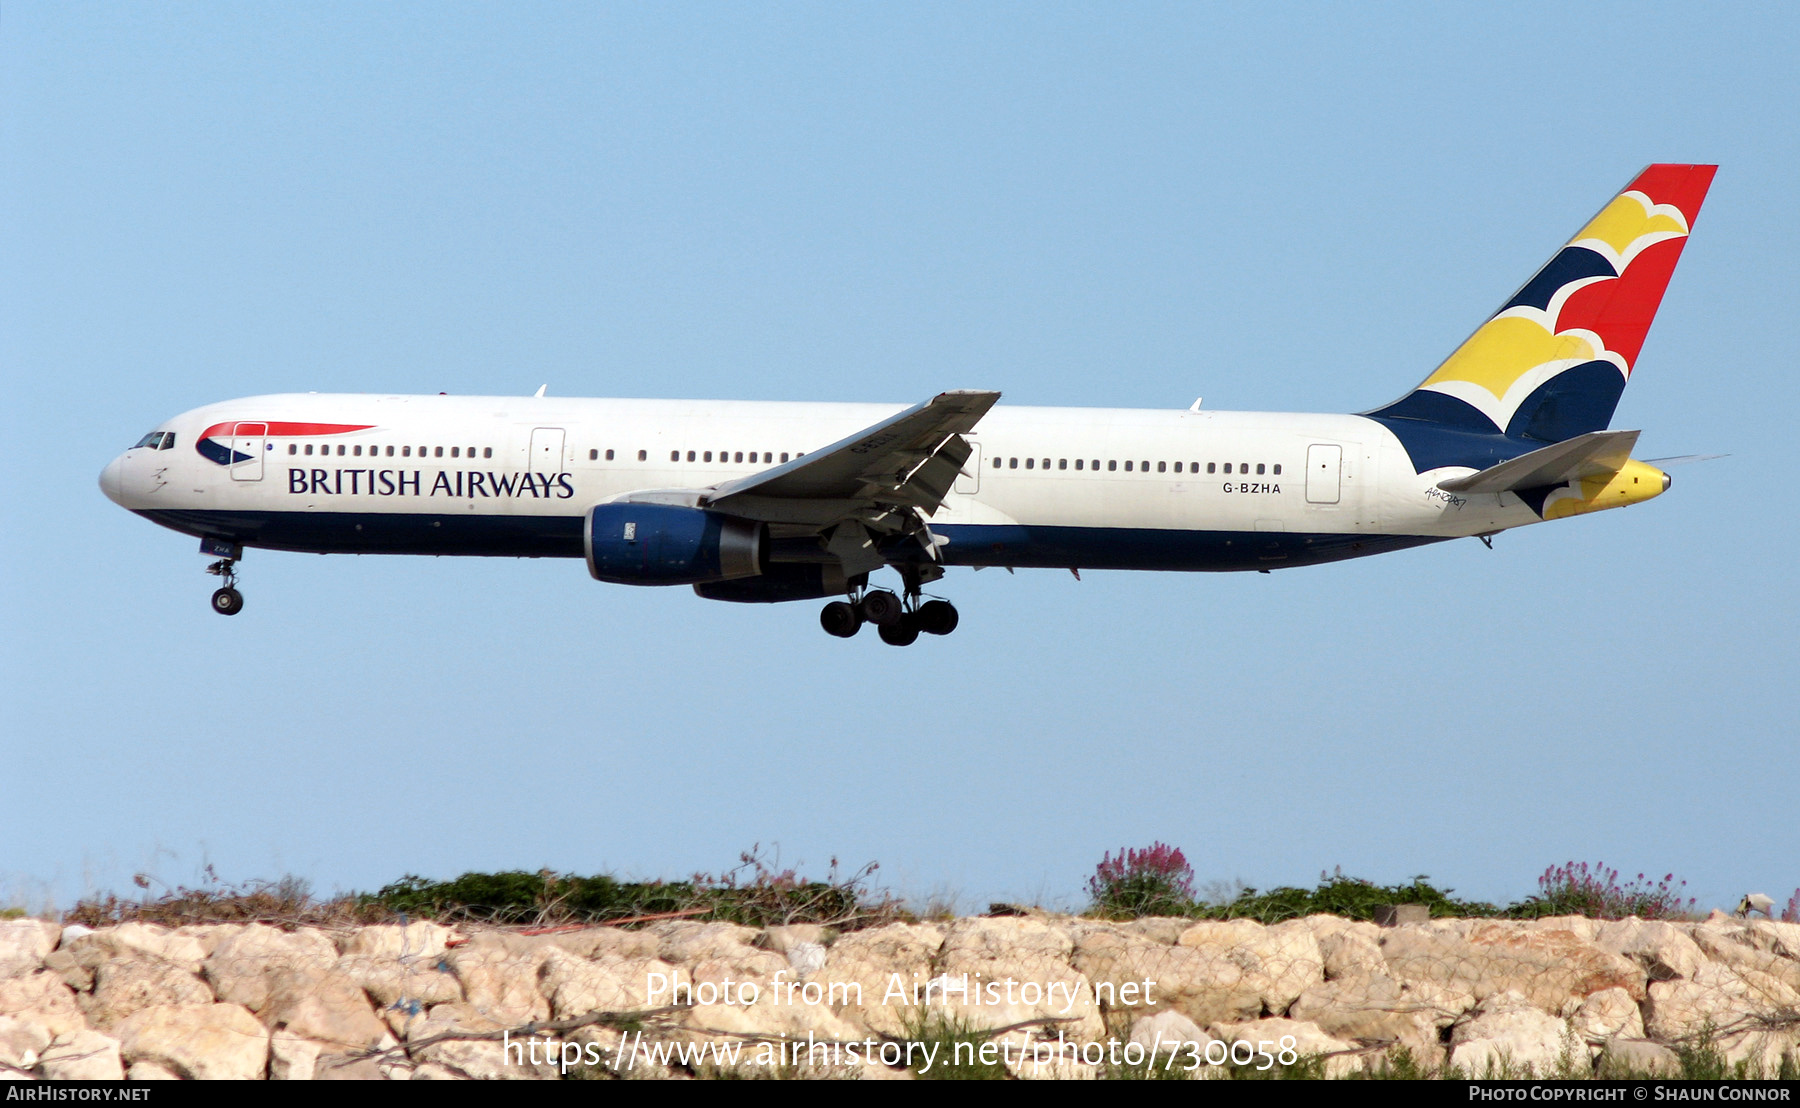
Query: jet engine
664, 544
779, 582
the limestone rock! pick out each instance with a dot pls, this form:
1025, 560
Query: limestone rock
1778, 937
606, 942
246, 966
150, 1071
43, 999
145, 940
209, 935
21, 1042
577, 986
73, 974
1721, 999
1629, 1057
1349, 953
1280, 962
806, 959
689, 941
1608, 1014
1272, 1036
421, 939
1550, 967
292, 1058
1158, 929
126, 985
786, 937
1663, 949
863, 965
24, 944
1734, 947
1383, 1012
203, 1042
322, 1005
1135, 976
1169, 1031
82, 1056
396, 982
482, 1059
499, 981
1510, 1036
1007, 970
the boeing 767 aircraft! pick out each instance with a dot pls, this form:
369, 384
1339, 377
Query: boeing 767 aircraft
761, 502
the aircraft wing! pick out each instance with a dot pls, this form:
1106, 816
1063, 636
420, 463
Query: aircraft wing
1588, 455
907, 461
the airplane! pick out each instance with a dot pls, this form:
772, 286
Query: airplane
764, 502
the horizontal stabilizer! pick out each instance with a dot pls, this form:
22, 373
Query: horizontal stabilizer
1588, 455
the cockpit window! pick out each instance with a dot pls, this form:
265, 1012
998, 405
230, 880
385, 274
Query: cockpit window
157, 440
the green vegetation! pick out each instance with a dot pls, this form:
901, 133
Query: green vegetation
954, 1046
1339, 895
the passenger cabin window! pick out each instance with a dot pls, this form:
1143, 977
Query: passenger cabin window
405, 451
1112, 464
1128, 466
309, 447
293, 448
1278, 469
1077, 463
439, 453
997, 462
690, 455
456, 451
643, 455
1212, 467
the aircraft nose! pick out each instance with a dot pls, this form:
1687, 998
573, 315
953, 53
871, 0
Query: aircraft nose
112, 480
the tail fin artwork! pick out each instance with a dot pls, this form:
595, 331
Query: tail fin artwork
1552, 363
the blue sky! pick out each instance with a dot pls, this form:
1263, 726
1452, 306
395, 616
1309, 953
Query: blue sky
1289, 207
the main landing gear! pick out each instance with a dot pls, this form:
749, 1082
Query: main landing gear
227, 601
898, 621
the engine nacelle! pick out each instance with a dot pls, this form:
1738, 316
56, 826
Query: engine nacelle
664, 544
781, 581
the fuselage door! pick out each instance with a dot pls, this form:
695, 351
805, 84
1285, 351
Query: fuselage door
546, 450
968, 482
248, 443
1324, 469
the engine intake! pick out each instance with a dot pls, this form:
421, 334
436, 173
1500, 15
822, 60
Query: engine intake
663, 544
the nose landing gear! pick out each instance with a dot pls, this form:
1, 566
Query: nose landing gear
227, 601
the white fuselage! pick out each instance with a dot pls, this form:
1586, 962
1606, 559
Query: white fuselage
1073, 487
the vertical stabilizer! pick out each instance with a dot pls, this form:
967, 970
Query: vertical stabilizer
1553, 361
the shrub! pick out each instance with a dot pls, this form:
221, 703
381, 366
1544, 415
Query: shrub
1339, 895
1154, 881
1791, 914
1573, 889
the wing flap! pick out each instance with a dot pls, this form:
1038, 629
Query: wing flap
1588, 455
909, 460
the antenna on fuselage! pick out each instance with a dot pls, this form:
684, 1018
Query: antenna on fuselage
540, 392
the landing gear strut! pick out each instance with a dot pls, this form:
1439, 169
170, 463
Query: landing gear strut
226, 601
898, 620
